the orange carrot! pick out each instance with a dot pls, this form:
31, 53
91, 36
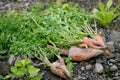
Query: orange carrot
83, 45
89, 43
59, 68
99, 39
78, 54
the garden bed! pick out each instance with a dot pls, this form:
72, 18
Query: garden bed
100, 68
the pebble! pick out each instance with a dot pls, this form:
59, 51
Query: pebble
110, 46
81, 78
82, 68
116, 74
117, 45
88, 67
11, 60
110, 64
1, 3
98, 68
112, 61
8, 6
115, 36
113, 68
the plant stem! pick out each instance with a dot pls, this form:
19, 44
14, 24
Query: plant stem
72, 42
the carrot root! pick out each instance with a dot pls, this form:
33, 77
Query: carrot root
78, 54
100, 39
59, 68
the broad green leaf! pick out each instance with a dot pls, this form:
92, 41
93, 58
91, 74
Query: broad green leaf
7, 76
98, 14
32, 70
23, 62
13, 69
18, 63
37, 77
101, 6
26, 61
20, 71
116, 15
109, 18
95, 11
115, 8
109, 4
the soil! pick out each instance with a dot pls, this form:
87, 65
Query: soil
85, 70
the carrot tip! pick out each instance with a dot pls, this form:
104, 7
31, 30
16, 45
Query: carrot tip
100, 33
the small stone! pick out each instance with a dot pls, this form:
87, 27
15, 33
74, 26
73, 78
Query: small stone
110, 46
117, 45
112, 60
98, 68
11, 60
117, 74
113, 68
82, 68
81, 78
115, 36
99, 60
110, 64
1, 3
88, 67
109, 79
8, 6
116, 78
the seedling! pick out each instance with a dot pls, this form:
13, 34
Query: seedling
23, 67
106, 13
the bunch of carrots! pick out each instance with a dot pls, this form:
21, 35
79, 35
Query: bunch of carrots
90, 47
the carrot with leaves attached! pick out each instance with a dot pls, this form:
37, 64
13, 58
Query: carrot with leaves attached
96, 42
59, 68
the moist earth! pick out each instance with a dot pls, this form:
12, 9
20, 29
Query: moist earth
98, 68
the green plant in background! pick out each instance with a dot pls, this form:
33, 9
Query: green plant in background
23, 67
106, 13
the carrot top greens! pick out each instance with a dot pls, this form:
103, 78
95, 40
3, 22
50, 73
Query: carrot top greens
26, 33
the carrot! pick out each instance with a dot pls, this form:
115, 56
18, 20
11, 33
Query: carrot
59, 68
100, 40
97, 42
78, 54
89, 43
83, 45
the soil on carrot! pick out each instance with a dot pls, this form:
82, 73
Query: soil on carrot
85, 70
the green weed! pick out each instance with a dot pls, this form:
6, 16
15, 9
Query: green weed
23, 67
106, 13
